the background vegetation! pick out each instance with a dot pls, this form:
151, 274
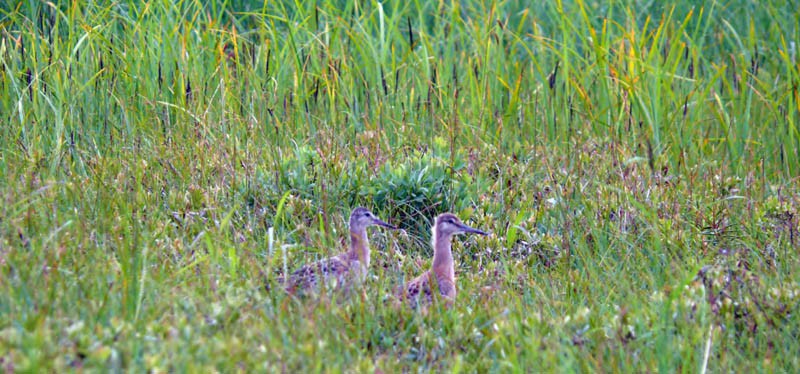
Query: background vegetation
637, 164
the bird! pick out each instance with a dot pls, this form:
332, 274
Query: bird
441, 275
343, 269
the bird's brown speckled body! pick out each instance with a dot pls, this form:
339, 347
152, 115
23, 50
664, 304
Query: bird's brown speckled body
441, 277
342, 270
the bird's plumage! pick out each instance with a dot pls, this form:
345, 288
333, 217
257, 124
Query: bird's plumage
333, 271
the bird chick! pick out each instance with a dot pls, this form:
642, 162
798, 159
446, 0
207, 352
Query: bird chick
441, 276
343, 269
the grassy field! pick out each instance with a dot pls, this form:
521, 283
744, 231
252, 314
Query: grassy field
162, 161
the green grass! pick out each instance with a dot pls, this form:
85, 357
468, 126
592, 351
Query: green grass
637, 164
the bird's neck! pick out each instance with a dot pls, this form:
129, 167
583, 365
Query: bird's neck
443, 265
359, 246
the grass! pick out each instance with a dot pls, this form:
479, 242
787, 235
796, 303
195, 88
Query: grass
636, 163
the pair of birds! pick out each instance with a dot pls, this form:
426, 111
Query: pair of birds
352, 266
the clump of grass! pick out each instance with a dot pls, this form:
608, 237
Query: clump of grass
421, 187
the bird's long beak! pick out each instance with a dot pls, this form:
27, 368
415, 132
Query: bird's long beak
472, 230
383, 224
